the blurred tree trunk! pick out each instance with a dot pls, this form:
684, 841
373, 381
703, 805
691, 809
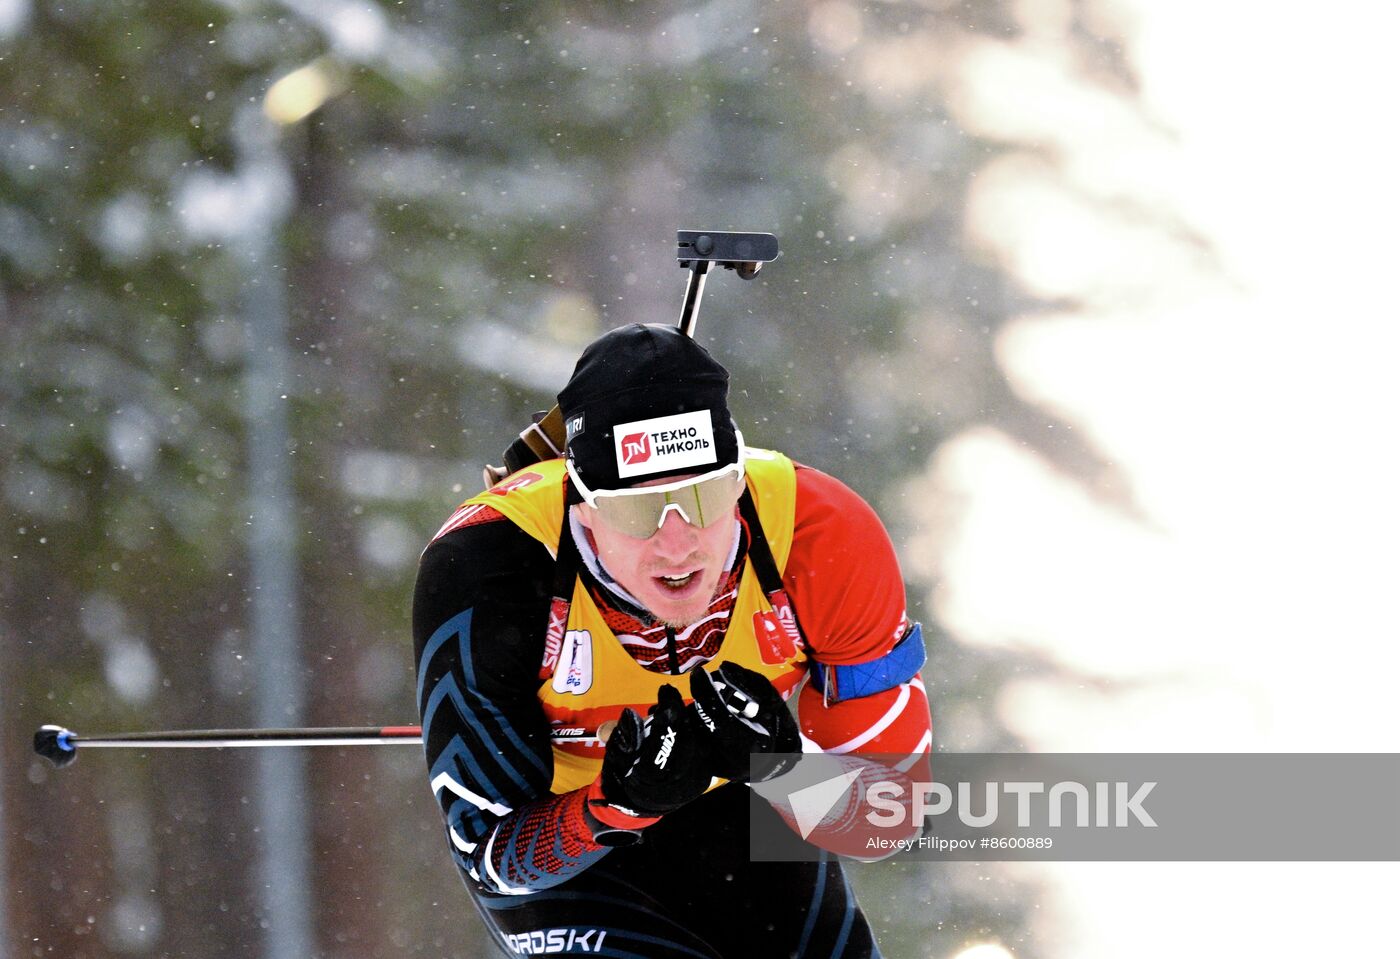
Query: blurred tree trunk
352, 834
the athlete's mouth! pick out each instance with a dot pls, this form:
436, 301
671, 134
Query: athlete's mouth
678, 583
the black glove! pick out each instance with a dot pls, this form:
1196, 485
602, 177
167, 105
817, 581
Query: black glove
653, 767
744, 715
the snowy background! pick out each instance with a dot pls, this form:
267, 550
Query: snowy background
1089, 297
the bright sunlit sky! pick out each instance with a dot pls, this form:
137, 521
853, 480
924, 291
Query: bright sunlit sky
1230, 239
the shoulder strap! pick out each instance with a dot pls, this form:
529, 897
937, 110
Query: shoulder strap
566, 566
769, 579
759, 553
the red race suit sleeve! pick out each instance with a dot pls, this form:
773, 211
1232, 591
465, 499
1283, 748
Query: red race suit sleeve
846, 588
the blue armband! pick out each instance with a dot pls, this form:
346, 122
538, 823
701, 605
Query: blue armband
899, 665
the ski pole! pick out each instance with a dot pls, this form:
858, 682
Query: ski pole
60, 746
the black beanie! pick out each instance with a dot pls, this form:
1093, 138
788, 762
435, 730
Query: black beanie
644, 402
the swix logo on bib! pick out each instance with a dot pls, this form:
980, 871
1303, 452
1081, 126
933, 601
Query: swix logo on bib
665, 443
574, 671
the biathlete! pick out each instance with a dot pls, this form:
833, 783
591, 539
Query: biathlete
604, 640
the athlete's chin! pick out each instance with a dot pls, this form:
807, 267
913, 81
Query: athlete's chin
678, 615
683, 621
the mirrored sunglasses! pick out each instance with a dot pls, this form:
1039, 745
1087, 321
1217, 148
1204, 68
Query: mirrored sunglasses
639, 512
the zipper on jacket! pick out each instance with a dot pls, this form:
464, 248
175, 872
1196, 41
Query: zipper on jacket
672, 660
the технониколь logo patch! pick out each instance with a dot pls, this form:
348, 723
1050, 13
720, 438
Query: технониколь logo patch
665, 443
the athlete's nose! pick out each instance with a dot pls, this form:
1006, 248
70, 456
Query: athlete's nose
676, 539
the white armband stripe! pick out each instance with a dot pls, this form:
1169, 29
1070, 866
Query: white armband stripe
459, 842
918, 752
445, 781
883, 723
